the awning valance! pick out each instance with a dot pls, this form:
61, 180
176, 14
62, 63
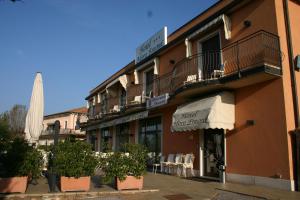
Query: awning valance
124, 119
222, 18
213, 112
122, 79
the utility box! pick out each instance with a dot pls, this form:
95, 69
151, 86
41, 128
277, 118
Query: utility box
297, 62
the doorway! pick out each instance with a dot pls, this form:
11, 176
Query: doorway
210, 56
213, 152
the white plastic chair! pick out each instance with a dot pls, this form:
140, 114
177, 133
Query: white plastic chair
137, 100
191, 79
177, 163
168, 162
155, 165
188, 164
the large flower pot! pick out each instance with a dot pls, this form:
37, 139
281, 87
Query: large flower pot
13, 184
75, 184
130, 182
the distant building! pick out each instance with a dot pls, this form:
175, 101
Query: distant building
69, 125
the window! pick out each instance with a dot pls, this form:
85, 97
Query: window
149, 76
122, 98
106, 141
150, 134
93, 140
122, 136
66, 124
103, 102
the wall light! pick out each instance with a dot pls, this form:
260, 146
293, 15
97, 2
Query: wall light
247, 23
250, 122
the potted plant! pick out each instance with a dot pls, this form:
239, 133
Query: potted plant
74, 162
20, 162
127, 169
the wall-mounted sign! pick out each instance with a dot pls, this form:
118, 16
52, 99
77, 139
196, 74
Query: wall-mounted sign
154, 43
158, 101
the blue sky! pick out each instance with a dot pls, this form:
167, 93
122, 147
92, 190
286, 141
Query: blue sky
76, 44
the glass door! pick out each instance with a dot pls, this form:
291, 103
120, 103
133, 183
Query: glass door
213, 152
210, 58
122, 136
150, 135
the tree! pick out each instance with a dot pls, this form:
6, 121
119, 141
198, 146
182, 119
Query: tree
16, 119
4, 126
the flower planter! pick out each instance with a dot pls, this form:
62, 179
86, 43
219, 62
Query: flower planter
75, 184
13, 184
130, 182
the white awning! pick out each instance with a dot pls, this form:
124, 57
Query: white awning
212, 112
136, 116
123, 80
222, 18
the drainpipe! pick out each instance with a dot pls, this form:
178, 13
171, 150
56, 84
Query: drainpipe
291, 62
294, 91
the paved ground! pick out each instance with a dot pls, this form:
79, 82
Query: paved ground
170, 188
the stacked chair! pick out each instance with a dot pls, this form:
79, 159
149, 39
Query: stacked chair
177, 164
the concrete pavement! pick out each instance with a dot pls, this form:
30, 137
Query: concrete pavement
164, 187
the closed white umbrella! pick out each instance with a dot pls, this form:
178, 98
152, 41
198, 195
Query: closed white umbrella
35, 115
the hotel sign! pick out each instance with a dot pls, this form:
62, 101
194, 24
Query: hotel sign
154, 43
158, 101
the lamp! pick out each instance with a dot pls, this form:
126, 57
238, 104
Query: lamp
250, 122
247, 23
172, 61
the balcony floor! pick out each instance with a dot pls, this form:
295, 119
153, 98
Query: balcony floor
247, 77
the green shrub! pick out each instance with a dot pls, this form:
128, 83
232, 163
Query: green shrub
73, 159
20, 159
121, 165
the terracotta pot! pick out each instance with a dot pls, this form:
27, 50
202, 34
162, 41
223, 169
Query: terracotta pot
75, 184
13, 184
130, 182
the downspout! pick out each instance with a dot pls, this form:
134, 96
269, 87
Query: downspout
294, 90
291, 62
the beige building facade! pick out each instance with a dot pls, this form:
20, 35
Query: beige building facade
69, 125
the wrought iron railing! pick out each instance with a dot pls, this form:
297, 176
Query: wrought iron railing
255, 50
258, 49
134, 94
61, 131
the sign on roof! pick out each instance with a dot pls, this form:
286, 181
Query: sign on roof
154, 43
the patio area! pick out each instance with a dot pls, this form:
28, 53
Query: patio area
161, 186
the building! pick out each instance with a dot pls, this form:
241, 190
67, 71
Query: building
69, 125
223, 86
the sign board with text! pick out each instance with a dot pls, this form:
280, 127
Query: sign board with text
157, 101
153, 44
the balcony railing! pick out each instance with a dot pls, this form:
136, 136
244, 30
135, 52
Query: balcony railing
256, 50
259, 49
61, 131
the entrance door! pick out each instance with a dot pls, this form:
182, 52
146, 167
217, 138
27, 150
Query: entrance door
213, 152
150, 131
210, 56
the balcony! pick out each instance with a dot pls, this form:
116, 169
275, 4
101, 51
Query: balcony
253, 59
134, 95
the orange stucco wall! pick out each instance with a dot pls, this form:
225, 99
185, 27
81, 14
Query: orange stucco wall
183, 142
258, 150
294, 10
177, 53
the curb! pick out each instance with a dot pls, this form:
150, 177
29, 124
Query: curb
65, 194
